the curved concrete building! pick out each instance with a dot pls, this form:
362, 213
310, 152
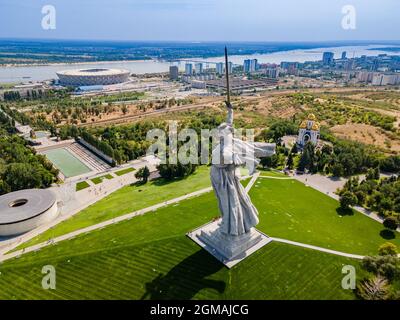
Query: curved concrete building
24, 210
92, 77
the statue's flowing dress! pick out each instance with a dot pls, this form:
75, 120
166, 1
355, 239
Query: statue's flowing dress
238, 213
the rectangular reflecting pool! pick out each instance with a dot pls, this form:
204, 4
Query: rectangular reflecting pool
66, 162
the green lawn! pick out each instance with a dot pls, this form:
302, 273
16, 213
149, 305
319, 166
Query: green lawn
98, 180
124, 171
290, 210
126, 200
150, 257
82, 185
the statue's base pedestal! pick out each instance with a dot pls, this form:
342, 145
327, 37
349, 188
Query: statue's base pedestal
230, 250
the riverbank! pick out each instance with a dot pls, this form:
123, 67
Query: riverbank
11, 65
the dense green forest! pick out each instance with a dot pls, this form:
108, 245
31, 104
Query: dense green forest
20, 167
381, 195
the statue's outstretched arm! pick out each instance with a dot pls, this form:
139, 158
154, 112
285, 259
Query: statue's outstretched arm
262, 149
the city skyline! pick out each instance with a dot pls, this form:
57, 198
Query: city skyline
210, 20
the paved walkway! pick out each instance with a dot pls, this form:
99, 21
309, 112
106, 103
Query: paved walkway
252, 181
276, 178
324, 184
308, 246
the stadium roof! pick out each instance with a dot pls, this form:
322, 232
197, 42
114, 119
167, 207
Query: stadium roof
93, 72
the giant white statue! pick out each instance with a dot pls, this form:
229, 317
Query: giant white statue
232, 237
238, 213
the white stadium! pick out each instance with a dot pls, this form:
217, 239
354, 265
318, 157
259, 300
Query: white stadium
92, 77
24, 210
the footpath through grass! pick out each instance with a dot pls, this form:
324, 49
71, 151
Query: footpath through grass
149, 257
288, 209
126, 200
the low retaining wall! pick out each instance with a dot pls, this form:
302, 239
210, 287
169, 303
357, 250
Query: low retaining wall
20, 227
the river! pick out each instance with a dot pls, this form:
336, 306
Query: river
47, 72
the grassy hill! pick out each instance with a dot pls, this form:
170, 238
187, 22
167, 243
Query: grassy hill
149, 256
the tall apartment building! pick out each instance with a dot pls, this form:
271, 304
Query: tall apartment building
230, 67
250, 65
220, 68
272, 72
199, 68
173, 72
327, 58
188, 69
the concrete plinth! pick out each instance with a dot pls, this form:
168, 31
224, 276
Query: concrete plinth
229, 250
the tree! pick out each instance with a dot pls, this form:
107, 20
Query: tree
376, 288
172, 171
4, 187
390, 223
25, 176
270, 162
390, 164
305, 160
373, 174
388, 249
290, 162
337, 170
278, 129
143, 174
347, 199
124, 109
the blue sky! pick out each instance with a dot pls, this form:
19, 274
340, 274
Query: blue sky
202, 20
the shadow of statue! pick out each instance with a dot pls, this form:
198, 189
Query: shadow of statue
185, 279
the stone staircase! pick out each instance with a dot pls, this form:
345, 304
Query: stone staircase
88, 157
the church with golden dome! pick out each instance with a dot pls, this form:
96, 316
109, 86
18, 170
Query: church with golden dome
308, 131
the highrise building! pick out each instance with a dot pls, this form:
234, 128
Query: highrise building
272, 72
344, 55
188, 69
220, 68
375, 65
365, 76
349, 65
173, 72
199, 68
253, 65
250, 65
246, 65
230, 67
327, 58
